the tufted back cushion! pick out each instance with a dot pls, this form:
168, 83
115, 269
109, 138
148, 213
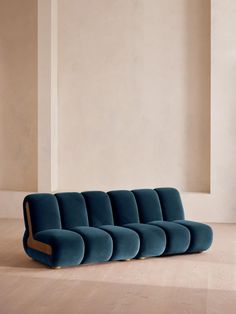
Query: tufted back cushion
95, 208
125, 209
43, 212
73, 209
171, 204
149, 206
99, 208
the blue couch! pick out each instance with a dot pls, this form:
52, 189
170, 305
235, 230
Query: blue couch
73, 228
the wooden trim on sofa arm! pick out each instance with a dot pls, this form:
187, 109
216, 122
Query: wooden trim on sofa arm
31, 242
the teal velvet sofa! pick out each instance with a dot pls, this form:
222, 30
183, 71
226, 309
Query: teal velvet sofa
71, 228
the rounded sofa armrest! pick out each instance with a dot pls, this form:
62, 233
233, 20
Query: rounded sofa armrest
67, 247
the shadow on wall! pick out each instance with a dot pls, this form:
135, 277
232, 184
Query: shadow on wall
18, 95
198, 108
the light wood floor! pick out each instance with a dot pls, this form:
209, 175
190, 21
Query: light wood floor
197, 283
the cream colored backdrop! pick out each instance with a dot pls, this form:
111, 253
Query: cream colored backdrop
18, 95
132, 96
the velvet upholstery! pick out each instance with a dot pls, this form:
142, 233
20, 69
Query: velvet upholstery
152, 239
177, 237
98, 244
43, 258
99, 208
71, 228
67, 246
126, 242
171, 204
124, 207
149, 206
44, 212
72, 209
201, 235
100, 215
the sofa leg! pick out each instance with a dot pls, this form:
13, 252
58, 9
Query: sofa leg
142, 257
128, 259
56, 267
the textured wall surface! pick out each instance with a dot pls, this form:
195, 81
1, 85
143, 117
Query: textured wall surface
125, 68
134, 94
18, 95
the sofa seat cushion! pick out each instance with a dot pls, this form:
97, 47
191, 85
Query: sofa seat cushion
67, 247
126, 242
201, 235
177, 237
98, 244
152, 239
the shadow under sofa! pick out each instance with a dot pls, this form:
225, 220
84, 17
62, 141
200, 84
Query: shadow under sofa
72, 228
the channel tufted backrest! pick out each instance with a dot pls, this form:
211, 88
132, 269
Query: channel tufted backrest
99, 208
41, 212
124, 207
73, 209
44, 211
171, 204
149, 206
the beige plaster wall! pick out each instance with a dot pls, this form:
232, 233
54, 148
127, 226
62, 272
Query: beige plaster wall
134, 94
220, 205
18, 95
217, 206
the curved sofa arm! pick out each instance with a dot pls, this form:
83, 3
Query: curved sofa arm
201, 235
65, 248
